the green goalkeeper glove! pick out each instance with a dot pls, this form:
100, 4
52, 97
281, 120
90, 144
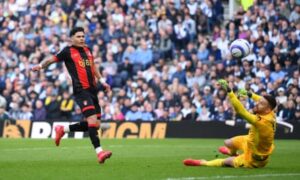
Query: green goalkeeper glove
224, 84
244, 93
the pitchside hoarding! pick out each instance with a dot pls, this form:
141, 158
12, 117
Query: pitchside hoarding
155, 130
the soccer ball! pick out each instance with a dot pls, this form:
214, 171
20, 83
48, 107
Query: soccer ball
240, 48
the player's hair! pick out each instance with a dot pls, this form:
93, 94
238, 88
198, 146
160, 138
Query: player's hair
271, 100
75, 30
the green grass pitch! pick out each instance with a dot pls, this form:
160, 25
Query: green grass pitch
134, 159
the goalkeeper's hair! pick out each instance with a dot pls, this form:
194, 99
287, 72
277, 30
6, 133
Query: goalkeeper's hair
271, 100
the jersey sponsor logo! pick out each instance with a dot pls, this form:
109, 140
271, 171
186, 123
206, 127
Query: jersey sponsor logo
84, 63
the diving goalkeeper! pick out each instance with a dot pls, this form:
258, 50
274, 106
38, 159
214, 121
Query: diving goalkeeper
257, 146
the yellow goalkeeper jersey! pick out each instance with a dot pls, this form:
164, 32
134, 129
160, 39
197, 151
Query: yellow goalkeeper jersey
261, 134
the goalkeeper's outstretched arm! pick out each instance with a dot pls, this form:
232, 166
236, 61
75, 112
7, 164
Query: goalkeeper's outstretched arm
255, 97
237, 105
240, 109
244, 93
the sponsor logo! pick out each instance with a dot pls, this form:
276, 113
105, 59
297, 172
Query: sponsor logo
133, 130
128, 130
84, 62
16, 129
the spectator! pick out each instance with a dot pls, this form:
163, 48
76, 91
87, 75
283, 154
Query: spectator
39, 113
107, 114
53, 107
77, 115
278, 74
66, 105
295, 15
4, 115
148, 114
118, 115
25, 113
181, 34
288, 111
164, 23
164, 45
221, 114
133, 114
193, 116
281, 98
186, 111
159, 111
204, 114
143, 56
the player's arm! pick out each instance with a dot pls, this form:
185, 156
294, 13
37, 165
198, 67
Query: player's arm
97, 73
45, 63
100, 79
240, 109
244, 93
237, 105
255, 97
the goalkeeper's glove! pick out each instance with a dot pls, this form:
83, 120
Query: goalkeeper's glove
244, 93
224, 84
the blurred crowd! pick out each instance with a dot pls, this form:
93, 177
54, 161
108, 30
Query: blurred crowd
161, 57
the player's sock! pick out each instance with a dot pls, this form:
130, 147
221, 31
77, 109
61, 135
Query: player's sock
81, 126
93, 133
98, 149
214, 163
66, 129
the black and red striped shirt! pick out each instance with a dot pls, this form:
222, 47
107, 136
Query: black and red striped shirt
80, 64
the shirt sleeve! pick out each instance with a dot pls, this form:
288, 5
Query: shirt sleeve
255, 97
62, 55
240, 109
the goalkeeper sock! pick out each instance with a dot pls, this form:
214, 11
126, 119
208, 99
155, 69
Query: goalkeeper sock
215, 163
81, 126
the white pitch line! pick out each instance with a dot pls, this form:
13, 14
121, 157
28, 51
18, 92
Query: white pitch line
43, 148
110, 146
235, 177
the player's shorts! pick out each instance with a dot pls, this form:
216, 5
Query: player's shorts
247, 159
88, 103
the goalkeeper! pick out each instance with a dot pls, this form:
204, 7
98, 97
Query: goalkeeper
257, 146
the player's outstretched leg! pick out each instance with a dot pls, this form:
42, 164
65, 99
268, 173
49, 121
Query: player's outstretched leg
202, 162
61, 130
193, 162
59, 133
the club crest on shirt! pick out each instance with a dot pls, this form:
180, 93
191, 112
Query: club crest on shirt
85, 103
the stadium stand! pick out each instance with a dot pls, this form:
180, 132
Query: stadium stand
162, 57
